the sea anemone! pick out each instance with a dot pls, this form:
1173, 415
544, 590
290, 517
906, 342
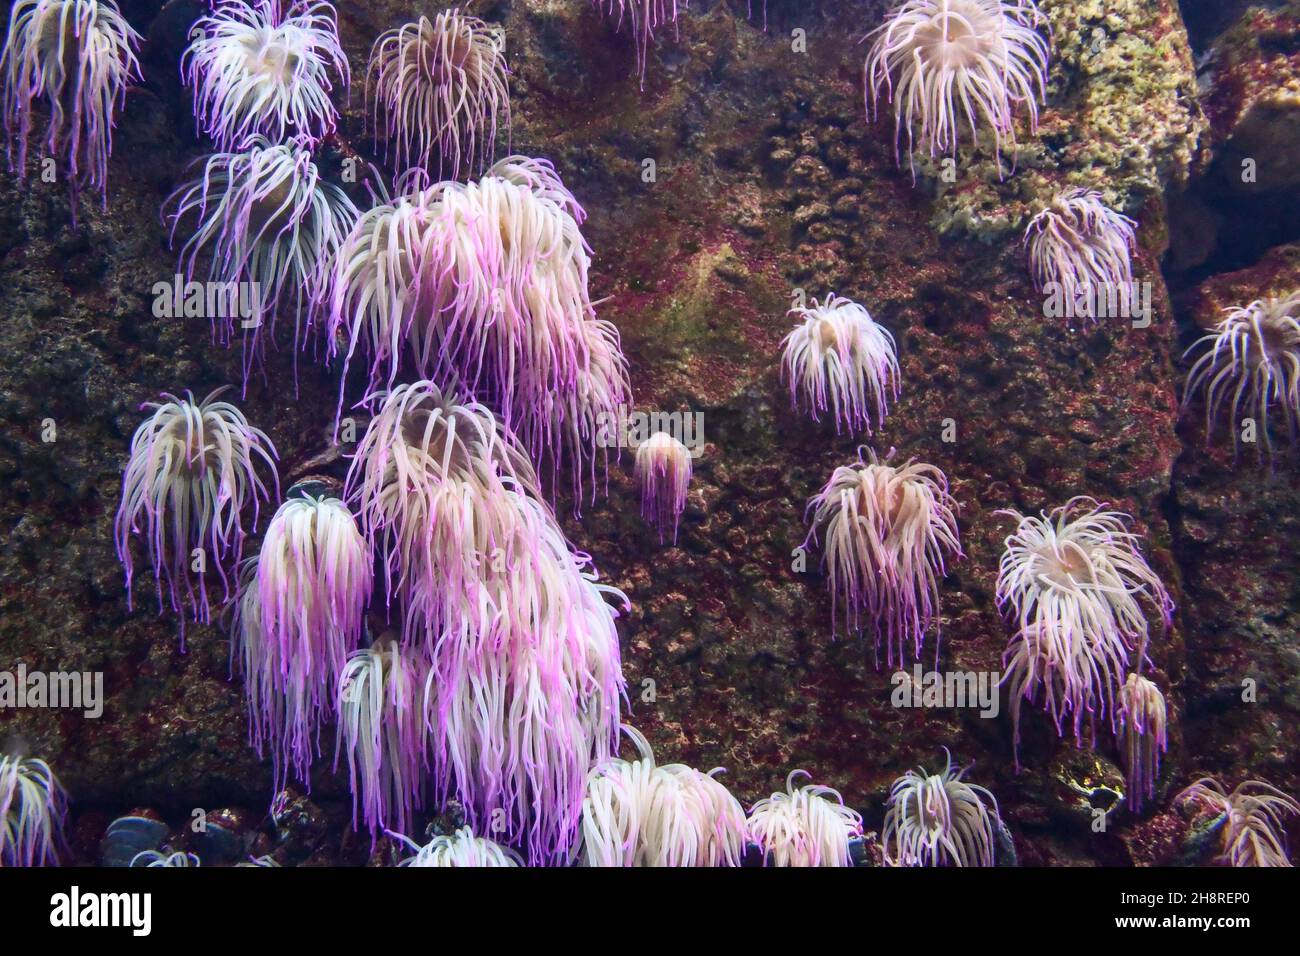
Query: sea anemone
485, 285
888, 533
264, 66
79, 57
312, 582
1252, 362
840, 360
1142, 726
1253, 833
190, 474
939, 820
645, 16
265, 217
810, 826
380, 707
462, 848
663, 472
1082, 247
1073, 581
33, 805
439, 85
160, 858
637, 814
940, 62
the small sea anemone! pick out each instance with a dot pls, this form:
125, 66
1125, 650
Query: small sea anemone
637, 814
810, 826
940, 62
33, 805
888, 534
264, 216
78, 56
1142, 727
312, 583
1252, 362
663, 472
190, 474
380, 717
939, 820
439, 85
840, 360
1253, 833
264, 66
462, 848
485, 285
1081, 246
645, 16
1073, 582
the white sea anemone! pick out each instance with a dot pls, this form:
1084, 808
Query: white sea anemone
439, 86
265, 66
1082, 248
462, 848
1073, 581
840, 360
1253, 833
78, 57
191, 473
942, 63
637, 814
939, 820
1251, 364
888, 532
33, 805
809, 826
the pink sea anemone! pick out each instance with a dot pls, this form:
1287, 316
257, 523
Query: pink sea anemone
1144, 732
888, 533
263, 215
1081, 247
78, 57
1074, 584
804, 826
380, 714
191, 473
945, 62
663, 472
302, 619
264, 67
485, 286
439, 86
644, 17
840, 360
1250, 363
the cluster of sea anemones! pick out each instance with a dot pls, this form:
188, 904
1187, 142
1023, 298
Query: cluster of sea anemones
484, 286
